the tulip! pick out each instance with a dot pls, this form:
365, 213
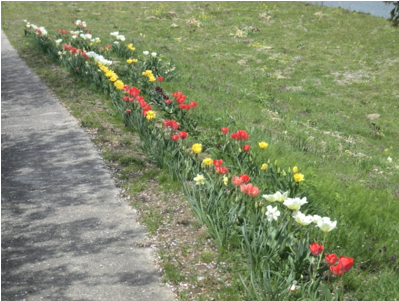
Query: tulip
246, 148
295, 204
316, 249
331, 259
237, 181
295, 169
207, 161
183, 135
263, 145
128, 111
160, 79
264, 166
245, 178
345, 263
336, 270
326, 225
225, 130
217, 163
301, 218
221, 170
197, 148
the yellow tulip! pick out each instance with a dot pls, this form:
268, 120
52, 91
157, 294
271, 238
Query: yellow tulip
197, 148
295, 169
150, 115
207, 161
263, 145
264, 166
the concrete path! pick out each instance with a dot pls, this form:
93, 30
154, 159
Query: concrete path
65, 235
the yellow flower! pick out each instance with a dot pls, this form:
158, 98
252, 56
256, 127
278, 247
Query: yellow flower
98, 41
151, 79
298, 177
295, 169
109, 73
113, 78
207, 161
264, 166
197, 148
225, 180
263, 145
129, 61
150, 115
119, 84
200, 179
134, 60
130, 46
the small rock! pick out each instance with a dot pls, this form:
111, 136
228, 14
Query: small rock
372, 116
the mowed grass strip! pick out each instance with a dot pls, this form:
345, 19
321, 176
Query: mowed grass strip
319, 84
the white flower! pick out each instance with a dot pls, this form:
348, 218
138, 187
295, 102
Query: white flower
43, 31
272, 213
326, 225
154, 54
316, 218
294, 287
58, 41
73, 37
146, 52
278, 196
294, 204
115, 33
121, 38
77, 22
83, 23
25, 21
301, 218
116, 42
199, 179
389, 159
225, 180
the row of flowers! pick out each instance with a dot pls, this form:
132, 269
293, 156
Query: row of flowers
234, 208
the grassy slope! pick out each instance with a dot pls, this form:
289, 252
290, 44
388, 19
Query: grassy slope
321, 73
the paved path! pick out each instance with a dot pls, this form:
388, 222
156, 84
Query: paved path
65, 233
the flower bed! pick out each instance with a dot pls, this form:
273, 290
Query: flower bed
229, 180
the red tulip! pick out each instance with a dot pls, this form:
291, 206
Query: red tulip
221, 170
225, 130
183, 135
331, 259
240, 135
246, 148
218, 163
245, 178
345, 263
244, 188
237, 181
175, 137
336, 270
168, 101
125, 98
316, 249
252, 191
193, 104
160, 79
128, 111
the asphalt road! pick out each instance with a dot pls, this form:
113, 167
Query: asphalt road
65, 234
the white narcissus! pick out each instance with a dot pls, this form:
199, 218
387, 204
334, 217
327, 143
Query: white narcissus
199, 179
146, 52
272, 213
115, 33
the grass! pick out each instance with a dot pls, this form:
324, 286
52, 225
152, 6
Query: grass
299, 76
